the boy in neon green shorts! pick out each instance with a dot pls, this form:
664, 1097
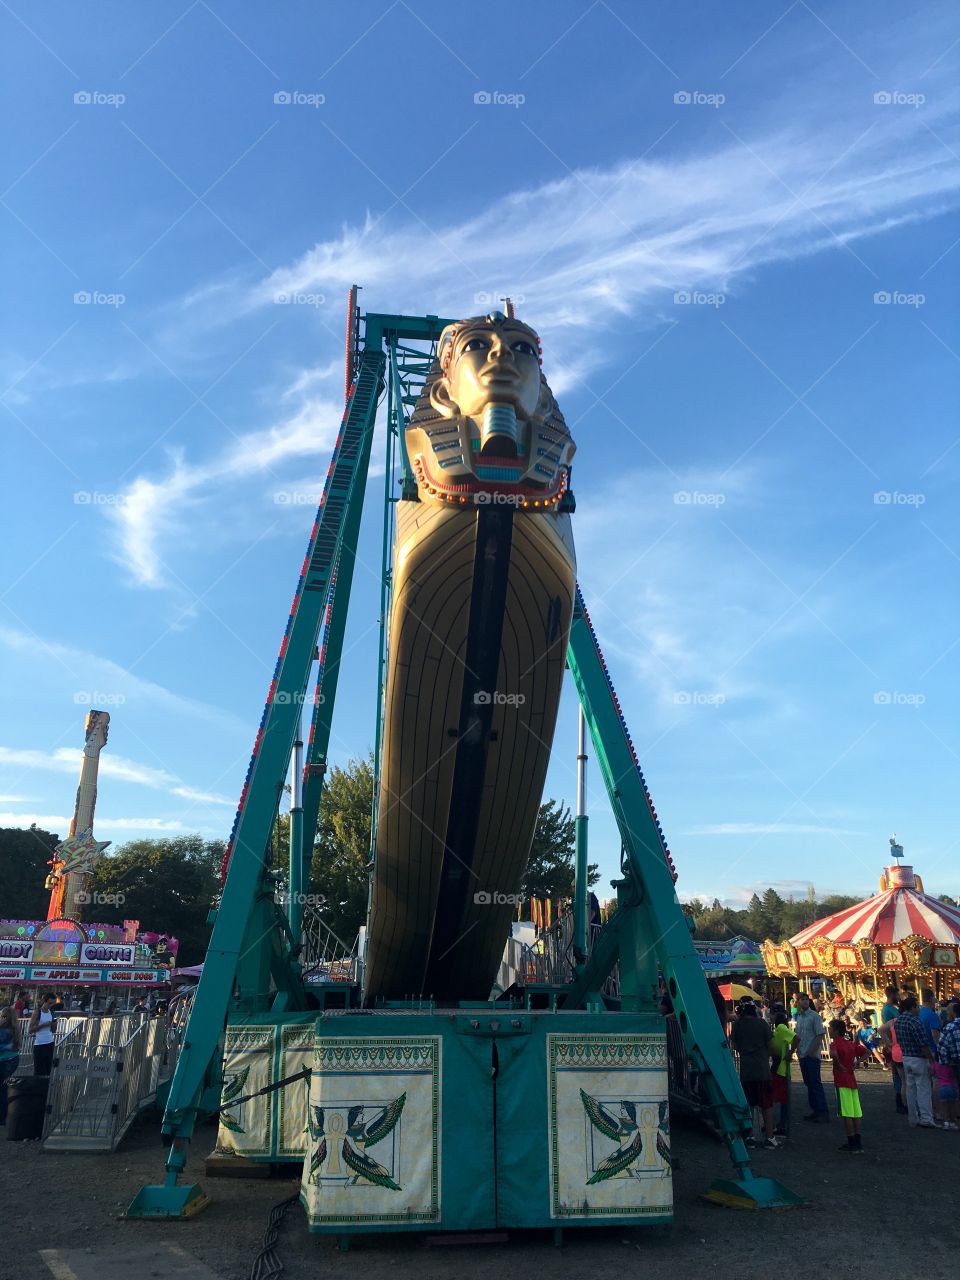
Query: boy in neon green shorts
844, 1054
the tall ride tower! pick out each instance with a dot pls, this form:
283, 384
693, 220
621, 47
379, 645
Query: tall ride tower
74, 858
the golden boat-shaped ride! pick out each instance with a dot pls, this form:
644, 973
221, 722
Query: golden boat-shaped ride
483, 590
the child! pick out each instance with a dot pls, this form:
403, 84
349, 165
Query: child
843, 1054
782, 1047
945, 1084
867, 1036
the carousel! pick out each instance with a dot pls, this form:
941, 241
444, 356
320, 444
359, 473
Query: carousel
900, 937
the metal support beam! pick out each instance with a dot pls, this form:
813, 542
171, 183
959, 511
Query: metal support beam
295, 882
652, 930
245, 862
580, 923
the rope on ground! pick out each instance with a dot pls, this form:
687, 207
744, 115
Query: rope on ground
267, 1265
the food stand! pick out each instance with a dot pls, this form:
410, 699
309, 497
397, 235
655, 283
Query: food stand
98, 963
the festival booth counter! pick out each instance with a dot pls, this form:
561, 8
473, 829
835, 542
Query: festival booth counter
67, 953
901, 936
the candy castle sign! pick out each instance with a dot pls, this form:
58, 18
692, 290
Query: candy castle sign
69, 952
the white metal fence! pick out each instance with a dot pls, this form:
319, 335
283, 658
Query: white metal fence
67, 1029
102, 1077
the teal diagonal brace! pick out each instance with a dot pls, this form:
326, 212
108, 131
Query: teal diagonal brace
661, 920
244, 864
328, 674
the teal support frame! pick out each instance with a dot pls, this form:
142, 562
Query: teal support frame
296, 885
649, 930
245, 937
581, 865
252, 943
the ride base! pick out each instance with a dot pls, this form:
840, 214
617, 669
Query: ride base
466, 1119
474, 1120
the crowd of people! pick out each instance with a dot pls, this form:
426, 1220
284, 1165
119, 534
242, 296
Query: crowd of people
915, 1040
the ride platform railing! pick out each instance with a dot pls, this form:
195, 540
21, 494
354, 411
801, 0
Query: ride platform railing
102, 1080
68, 1029
325, 956
550, 959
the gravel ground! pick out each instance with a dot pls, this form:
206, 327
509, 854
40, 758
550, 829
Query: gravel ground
892, 1211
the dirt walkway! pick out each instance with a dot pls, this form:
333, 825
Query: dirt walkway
891, 1212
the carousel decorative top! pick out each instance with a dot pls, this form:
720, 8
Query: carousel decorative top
899, 928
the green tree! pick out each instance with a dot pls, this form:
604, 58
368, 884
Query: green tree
24, 854
169, 885
773, 906
755, 922
717, 922
551, 869
796, 916
834, 902
341, 850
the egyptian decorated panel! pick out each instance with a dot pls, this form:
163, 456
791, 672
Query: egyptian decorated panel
609, 1126
296, 1053
374, 1132
256, 1054
246, 1127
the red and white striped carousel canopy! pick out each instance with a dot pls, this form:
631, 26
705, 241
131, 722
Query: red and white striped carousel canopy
891, 916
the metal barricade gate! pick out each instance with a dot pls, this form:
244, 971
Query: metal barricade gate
99, 1084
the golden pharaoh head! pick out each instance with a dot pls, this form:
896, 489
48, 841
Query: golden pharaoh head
487, 420
488, 360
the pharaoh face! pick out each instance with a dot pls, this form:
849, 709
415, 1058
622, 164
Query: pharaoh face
489, 362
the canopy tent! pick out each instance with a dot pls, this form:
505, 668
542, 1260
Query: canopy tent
733, 958
736, 991
888, 919
899, 931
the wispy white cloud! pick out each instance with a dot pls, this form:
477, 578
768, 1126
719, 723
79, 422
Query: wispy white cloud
151, 510
139, 824
96, 678
766, 829
58, 822
67, 760
683, 604
598, 245
737, 896
584, 253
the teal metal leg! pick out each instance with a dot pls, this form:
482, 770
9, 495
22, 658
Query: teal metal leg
652, 929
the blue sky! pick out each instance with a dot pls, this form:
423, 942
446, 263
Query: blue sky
735, 229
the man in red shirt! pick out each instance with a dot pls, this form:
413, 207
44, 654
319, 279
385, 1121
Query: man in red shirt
844, 1054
